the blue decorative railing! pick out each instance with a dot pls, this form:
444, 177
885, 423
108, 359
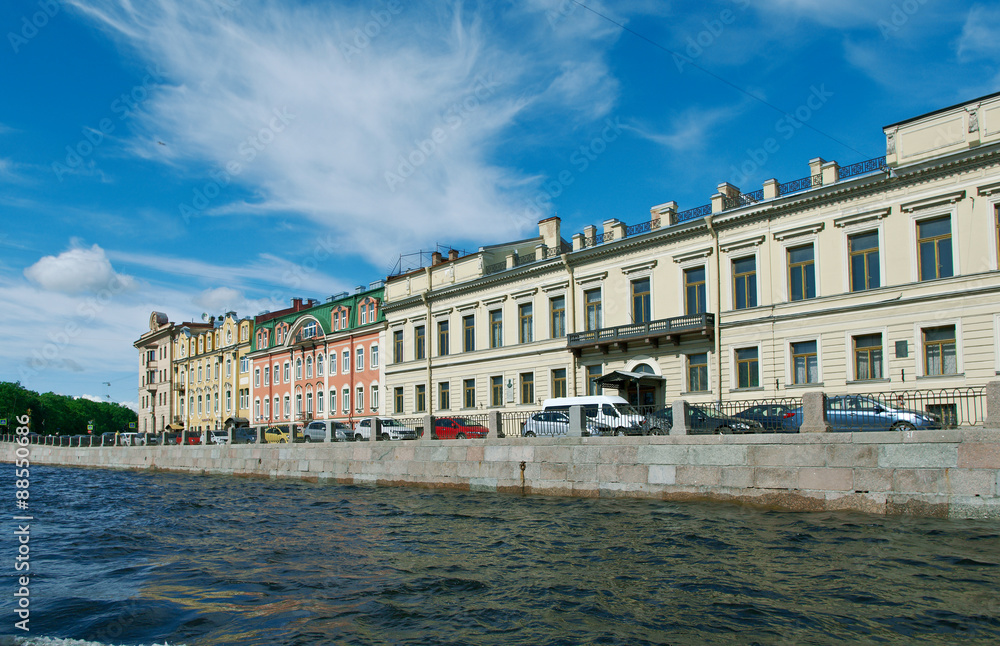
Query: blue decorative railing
800, 185
642, 227
694, 214
743, 199
867, 166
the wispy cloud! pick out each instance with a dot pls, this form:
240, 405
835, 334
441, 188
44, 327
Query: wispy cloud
321, 110
979, 34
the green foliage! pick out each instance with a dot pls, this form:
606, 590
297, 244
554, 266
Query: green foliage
53, 414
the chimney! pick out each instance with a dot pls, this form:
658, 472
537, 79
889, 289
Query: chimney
313, 302
296, 304
436, 258
453, 254
548, 230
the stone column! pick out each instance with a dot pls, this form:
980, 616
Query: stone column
680, 417
814, 413
577, 421
663, 215
260, 435
493, 423
577, 241
992, 406
429, 428
375, 430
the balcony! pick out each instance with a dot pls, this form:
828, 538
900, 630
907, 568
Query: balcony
649, 334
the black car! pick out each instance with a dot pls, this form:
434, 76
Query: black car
702, 422
771, 416
244, 435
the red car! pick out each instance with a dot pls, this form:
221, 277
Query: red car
458, 428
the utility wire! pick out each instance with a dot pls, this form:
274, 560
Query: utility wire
714, 75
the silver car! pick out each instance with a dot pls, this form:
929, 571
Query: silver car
554, 422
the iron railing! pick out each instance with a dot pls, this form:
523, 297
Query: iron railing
495, 267
802, 184
512, 422
642, 227
695, 213
860, 168
660, 327
743, 199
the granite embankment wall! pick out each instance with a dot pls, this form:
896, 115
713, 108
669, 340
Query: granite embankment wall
934, 473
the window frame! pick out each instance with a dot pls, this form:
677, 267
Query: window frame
851, 354
736, 361
556, 380
496, 391
689, 368
935, 240
801, 266
469, 333
397, 346
736, 278
469, 394
525, 322
790, 361
686, 285
598, 310
420, 398
496, 328
526, 386
444, 337
854, 232
645, 299
444, 395
919, 329
557, 315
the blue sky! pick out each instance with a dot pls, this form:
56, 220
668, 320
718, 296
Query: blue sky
206, 155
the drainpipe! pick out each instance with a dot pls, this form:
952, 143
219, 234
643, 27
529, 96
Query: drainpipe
570, 322
718, 308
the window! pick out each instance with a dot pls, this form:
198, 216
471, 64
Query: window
287, 372
496, 391
420, 396
359, 397
801, 273
267, 375
345, 363
373, 392
443, 344
374, 356
940, 356
525, 325
345, 400
256, 378
359, 359
496, 329
419, 351
863, 249
267, 408
934, 244
288, 406
745, 283
277, 408
747, 368
805, 363
698, 372
298, 368
527, 388
309, 367
593, 374
244, 365
592, 301
199, 404
468, 333
229, 368
364, 315
559, 382
256, 409
469, 393
229, 400
309, 330
217, 363
276, 375
397, 346
868, 357
557, 317
151, 378
244, 398
444, 395
694, 291
319, 401
333, 402
319, 365
640, 301
397, 399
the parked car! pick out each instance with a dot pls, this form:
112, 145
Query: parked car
770, 416
702, 421
151, 439
849, 413
244, 435
131, 439
109, 439
556, 422
607, 410
392, 429
316, 431
175, 437
458, 428
218, 437
275, 435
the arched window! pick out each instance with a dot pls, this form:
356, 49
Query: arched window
298, 368
309, 367
309, 403
319, 365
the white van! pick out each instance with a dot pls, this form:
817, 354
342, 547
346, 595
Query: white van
610, 410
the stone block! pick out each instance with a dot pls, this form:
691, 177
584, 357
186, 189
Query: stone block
553, 453
633, 473
608, 473
971, 482
582, 472
662, 474
483, 484
736, 477
495, 453
979, 456
717, 455
814, 413
827, 479
662, 454
552, 471
918, 481
792, 455
699, 476
873, 480
775, 477
918, 456
851, 455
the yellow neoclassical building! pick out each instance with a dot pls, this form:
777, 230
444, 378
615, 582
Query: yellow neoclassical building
876, 276
211, 373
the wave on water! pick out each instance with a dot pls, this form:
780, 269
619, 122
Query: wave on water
55, 641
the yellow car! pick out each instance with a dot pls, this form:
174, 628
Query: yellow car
275, 435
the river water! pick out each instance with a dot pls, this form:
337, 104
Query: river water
140, 558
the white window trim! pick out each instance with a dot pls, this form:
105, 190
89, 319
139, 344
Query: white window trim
919, 215
849, 230
739, 254
373, 352
792, 243
790, 371
849, 352
734, 382
700, 261
918, 336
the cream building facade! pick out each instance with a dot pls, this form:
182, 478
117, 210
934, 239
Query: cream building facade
878, 276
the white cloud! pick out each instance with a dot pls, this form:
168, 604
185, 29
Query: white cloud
93, 398
692, 129
979, 34
386, 138
77, 271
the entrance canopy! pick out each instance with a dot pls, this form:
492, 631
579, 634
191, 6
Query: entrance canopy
175, 427
237, 422
623, 379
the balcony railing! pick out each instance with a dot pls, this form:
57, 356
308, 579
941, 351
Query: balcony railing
743, 199
797, 185
672, 327
695, 213
867, 166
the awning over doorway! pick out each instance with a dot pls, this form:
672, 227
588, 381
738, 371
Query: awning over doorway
237, 422
624, 378
175, 427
